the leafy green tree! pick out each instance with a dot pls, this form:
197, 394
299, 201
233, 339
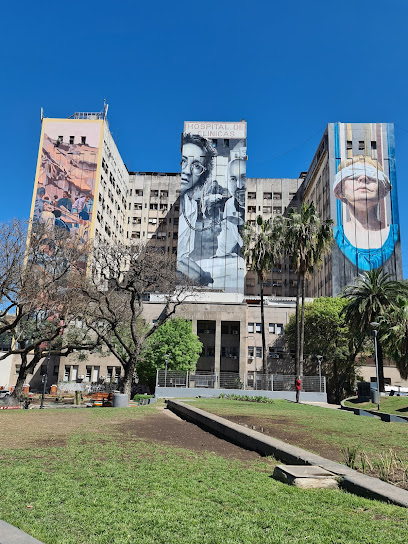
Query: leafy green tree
262, 246
394, 334
328, 334
368, 300
307, 240
174, 339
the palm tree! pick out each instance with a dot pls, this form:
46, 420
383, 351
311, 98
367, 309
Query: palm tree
307, 240
370, 298
261, 247
394, 335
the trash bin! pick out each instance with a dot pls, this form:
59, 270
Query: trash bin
374, 396
120, 400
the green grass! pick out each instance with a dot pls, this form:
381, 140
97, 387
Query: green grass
334, 428
390, 405
104, 487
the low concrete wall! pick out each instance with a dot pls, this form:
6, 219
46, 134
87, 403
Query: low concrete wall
353, 481
184, 392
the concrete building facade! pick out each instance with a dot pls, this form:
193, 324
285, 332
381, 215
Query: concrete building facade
82, 183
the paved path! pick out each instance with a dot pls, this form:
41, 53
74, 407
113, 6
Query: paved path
12, 535
322, 404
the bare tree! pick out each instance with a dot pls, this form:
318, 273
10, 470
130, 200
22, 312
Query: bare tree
38, 271
120, 280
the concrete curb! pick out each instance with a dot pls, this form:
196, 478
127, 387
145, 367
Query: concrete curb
11, 535
351, 480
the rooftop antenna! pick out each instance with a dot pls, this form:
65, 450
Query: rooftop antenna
42, 114
105, 108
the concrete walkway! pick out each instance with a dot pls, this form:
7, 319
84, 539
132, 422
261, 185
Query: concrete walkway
322, 404
11, 535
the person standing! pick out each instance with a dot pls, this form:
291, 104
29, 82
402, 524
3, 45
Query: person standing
298, 385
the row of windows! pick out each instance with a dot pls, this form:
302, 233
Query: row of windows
72, 140
273, 328
267, 196
266, 209
153, 235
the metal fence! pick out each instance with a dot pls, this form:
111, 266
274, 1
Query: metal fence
232, 380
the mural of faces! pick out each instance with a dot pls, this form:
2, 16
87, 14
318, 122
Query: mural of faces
212, 202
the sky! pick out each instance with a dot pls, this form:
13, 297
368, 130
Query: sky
288, 69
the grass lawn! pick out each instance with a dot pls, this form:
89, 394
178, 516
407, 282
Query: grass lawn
323, 431
390, 405
73, 477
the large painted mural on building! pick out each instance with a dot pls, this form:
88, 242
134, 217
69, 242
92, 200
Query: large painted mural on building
212, 205
66, 176
365, 197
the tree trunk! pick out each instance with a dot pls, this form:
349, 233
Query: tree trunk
128, 377
21, 379
302, 328
264, 361
380, 366
297, 355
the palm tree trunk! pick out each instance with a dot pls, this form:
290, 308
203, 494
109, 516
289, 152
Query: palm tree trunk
297, 355
380, 367
264, 362
302, 327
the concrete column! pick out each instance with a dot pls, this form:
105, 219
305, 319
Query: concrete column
243, 348
217, 367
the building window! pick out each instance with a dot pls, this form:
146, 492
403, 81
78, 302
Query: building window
67, 373
139, 192
361, 146
258, 327
55, 370
277, 196
279, 328
251, 196
267, 196
226, 143
154, 193
267, 210
272, 328
250, 327
349, 144
153, 206
259, 352
277, 210
72, 140
83, 140
60, 139
251, 352
251, 209
88, 373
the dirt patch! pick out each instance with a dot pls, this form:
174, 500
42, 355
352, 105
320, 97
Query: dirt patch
290, 432
165, 429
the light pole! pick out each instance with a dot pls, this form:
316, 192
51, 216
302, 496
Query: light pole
45, 377
375, 326
319, 360
166, 361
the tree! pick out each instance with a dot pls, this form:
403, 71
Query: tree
394, 334
120, 280
175, 339
262, 245
307, 240
37, 300
328, 334
368, 300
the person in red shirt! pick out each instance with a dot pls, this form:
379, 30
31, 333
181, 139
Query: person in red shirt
298, 385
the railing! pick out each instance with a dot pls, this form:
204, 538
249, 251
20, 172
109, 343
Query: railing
232, 380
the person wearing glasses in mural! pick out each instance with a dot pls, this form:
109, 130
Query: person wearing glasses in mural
365, 233
201, 202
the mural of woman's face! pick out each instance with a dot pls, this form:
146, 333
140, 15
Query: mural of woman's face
192, 165
361, 191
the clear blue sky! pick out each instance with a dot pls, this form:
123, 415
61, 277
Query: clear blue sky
287, 68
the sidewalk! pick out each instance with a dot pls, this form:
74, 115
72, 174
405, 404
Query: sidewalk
11, 535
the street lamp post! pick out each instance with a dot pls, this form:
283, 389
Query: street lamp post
375, 327
319, 360
166, 361
45, 377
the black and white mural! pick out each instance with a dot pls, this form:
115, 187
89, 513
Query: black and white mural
212, 205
